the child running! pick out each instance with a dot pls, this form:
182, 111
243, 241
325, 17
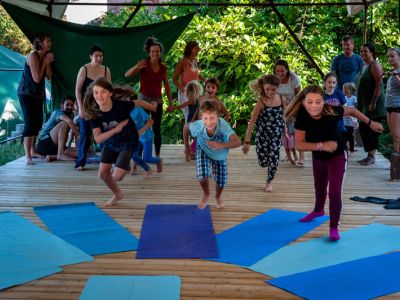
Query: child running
214, 139
268, 117
316, 130
350, 123
114, 129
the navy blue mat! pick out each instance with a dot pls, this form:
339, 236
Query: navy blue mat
87, 227
361, 279
177, 231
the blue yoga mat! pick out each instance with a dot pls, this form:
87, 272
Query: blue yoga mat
357, 280
371, 240
177, 231
87, 227
247, 243
132, 288
27, 252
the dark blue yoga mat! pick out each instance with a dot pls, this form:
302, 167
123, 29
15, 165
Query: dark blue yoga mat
252, 240
362, 279
87, 227
177, 231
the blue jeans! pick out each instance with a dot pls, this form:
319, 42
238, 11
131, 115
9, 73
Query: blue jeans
84, 142
147, 155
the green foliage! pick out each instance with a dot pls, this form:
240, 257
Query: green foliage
10, 152
11, 36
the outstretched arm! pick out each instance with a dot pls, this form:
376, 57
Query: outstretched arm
352, 111
256, 111
149, 106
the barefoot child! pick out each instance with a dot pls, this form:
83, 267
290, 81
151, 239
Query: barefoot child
268, 117
316, 130
214, 139
144, 123
114, 129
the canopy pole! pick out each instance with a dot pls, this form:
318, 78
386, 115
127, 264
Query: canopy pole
50, 8
294, 36
365, 22
139, 5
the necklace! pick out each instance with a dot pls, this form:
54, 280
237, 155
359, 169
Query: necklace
193, 65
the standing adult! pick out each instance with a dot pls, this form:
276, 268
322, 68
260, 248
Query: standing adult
86, 75
31, 91
370, 100
289, 87
153, 74
393, 98
186, 71
347, 65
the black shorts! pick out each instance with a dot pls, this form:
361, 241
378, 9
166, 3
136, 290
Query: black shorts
393, 109
121, 159
46, 146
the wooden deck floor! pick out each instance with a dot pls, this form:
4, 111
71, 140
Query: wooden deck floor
23, 187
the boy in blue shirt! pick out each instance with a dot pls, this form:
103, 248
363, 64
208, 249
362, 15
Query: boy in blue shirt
214, 139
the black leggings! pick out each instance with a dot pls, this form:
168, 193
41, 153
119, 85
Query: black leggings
32, 110
157, 116
369, 137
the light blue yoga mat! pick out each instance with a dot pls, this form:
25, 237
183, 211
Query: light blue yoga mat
27, 252
247, 243
361, 279
371, 240
87, 227
132, 288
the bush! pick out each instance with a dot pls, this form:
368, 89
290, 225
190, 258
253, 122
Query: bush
10, 152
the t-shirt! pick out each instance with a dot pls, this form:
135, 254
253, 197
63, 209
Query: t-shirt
335, 99
346, 68
127, 139
51, 123
393, 91
350, 102
222, 134
321, 130
287, 89
140, 117
151, 82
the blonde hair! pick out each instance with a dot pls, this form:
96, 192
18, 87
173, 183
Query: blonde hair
193, 90
350, 86
295, 105
258, 85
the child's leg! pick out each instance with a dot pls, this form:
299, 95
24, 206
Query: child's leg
294, 154
203, 173
140, 162
147, 153
273, 148
301, 158
185, 134
220, 171
193, 148
105, 175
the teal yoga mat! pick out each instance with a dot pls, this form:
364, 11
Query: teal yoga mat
361, 279
27, 252
366, 241
87, 227
132, 288
252, 240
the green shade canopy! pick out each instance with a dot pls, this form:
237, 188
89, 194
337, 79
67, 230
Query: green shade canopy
123, 47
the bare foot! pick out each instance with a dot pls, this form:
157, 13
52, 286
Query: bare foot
36, 155
64, 157
220, 203
114, 199
268, 187
292, 162
29, 161
80, 168
187, 155
148, 174
300, 162
160, 166
133, 169
203, 202
48, 158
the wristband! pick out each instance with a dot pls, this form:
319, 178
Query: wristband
246, 142
320, 146
369, 122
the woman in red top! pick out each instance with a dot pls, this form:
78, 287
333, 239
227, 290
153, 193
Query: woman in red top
153, 73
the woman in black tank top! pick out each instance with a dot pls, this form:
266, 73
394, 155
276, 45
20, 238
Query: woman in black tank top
86, 75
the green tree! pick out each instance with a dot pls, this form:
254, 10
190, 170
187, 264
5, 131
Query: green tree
11, 36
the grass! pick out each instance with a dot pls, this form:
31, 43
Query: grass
10, 152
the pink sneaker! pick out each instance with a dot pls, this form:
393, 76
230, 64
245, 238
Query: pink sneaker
312, 215
334, 234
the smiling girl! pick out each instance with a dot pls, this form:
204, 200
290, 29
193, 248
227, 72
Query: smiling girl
114, 129
316, 130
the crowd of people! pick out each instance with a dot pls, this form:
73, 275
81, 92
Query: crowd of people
317, 119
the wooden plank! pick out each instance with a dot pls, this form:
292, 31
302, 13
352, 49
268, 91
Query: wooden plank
23, 187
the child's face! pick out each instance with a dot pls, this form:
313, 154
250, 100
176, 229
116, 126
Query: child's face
314, 104
347, 91
210, 119
330, 84
270, 90
211, 89
101, 95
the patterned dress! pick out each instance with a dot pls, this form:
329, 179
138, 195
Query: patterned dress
269, 127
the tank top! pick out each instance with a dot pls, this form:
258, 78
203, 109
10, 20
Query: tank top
27, 86
88, 81
190, 72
